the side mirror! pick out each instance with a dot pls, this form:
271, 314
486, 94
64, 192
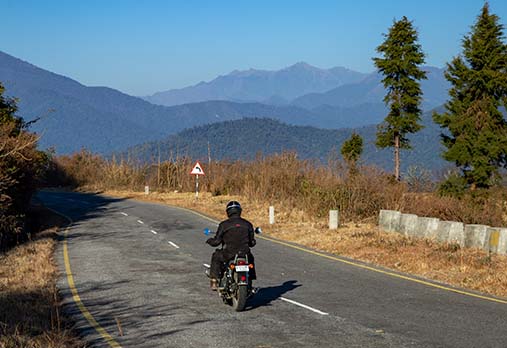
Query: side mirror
207, 231
258, 230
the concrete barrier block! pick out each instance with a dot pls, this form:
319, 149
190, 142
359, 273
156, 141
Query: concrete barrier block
444, 227
502, 241
477, 236
455, 232
427, 227
408, 223
383, 219
497, 240
389, 220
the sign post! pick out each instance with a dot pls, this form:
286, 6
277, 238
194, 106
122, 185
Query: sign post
197, 170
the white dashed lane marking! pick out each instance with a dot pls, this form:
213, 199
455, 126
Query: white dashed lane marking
303, 306
142, 223
174, 245
125, 214
153, 231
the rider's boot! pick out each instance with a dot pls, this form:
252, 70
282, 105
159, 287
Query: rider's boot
213, 284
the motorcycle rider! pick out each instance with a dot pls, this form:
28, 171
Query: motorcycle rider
237, 234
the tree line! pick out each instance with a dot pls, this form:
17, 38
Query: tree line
474, 129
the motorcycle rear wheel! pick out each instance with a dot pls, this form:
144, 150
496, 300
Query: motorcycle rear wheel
239, 298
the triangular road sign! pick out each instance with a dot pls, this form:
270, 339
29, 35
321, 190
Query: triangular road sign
197, 170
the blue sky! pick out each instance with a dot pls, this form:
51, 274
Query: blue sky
141, 47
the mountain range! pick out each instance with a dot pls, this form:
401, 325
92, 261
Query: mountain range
104, 120
304, 86
263, 86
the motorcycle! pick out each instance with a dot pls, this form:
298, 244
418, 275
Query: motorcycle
235, 287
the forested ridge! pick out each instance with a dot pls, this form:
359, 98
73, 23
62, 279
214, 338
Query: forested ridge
246, 138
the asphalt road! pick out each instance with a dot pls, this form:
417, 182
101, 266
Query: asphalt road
138, 269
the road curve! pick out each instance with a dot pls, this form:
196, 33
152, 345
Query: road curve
134, 278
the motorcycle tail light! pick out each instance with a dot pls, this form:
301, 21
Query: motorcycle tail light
241, 262
243, 278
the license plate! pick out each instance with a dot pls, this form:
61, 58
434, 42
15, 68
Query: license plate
241, 268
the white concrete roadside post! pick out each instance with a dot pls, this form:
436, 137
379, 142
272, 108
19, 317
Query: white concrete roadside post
271, 215
146, 190
333, 219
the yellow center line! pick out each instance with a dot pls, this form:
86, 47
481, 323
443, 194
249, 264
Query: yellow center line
75, 294
369, 268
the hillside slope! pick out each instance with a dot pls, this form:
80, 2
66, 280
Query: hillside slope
371, 91
245, 138
102, 119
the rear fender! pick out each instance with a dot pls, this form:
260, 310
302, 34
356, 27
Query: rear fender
238, 276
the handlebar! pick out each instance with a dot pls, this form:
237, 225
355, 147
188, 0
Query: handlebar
207, 231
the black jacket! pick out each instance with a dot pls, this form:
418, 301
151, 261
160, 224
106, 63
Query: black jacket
236, 233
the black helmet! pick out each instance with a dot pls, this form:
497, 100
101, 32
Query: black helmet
233, 208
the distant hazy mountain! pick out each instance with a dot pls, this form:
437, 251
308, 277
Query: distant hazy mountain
270, 87
371, 91
103, 120
255, 135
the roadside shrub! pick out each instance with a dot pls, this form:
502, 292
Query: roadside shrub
453, 186
21, 164
418, 179
488, 209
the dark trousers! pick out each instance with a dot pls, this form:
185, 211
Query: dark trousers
220, 257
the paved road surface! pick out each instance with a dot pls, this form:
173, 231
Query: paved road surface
138, 267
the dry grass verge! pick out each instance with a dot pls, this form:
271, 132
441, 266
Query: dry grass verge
302, 185
30, 315
448, 263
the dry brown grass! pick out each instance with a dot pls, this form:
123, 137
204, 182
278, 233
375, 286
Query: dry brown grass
299, 184
486, 210
283, 179
30, 315
447, 263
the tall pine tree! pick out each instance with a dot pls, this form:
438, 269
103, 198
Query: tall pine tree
475, 130
400, 67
